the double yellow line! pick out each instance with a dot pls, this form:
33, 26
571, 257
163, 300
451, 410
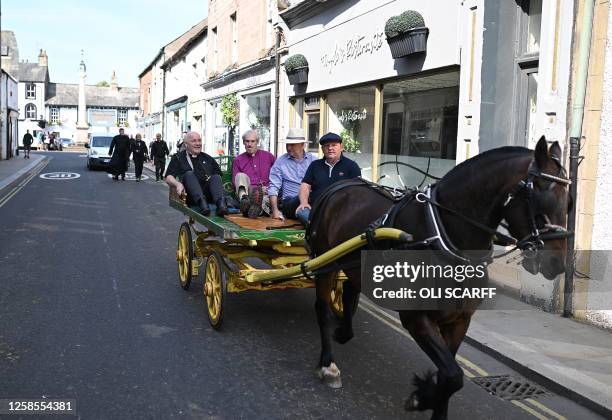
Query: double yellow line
470, 369
4, 199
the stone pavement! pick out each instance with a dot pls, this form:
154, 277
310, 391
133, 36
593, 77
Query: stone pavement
569, 357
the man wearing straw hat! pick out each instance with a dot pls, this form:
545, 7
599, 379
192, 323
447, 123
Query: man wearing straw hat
286, 175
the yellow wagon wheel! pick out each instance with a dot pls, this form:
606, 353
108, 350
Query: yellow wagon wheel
215, 289
184, 255
336, 298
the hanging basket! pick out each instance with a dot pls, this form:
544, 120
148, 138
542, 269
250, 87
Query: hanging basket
298, 76
411, 42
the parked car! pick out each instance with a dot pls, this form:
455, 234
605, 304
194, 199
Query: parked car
66, 142
97, 151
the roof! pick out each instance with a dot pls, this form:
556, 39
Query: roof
184, 49
9, 51
171, 48
95, 96
32, 72
304, 10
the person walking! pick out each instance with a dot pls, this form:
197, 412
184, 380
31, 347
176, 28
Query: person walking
120, 155
139, 155
27, 144
159, 151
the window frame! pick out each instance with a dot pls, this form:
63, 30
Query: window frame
30, 91
29, 107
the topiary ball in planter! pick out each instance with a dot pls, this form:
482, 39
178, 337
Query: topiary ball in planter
406, 34
296, 67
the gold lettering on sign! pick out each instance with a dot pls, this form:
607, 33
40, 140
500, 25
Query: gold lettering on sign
352, 49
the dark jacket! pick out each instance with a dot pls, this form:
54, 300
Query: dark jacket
139, 150
204, 166
120, 152
159, 149
27, 139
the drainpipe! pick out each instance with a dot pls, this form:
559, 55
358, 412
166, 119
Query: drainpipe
163, 121
276, 92
575, 137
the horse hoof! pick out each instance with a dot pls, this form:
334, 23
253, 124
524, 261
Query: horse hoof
412, 403
331, 376
340, 335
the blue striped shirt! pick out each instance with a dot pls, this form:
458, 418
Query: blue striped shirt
287, 173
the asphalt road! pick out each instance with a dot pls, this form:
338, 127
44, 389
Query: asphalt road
91, 310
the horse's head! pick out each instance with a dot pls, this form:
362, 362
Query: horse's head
536, 212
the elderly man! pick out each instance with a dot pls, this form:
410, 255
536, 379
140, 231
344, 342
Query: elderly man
287, 173
199, 174
159, 151
324, 172
251, 175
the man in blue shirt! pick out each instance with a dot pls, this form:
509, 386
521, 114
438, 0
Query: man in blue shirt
287, 173
323, 172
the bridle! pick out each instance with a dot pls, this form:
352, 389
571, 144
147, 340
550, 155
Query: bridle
524, 190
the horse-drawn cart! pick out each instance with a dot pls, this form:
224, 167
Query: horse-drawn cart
240, 254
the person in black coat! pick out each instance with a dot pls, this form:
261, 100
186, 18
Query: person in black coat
196, 173
27, 144
120, 155
159, 151
139, 155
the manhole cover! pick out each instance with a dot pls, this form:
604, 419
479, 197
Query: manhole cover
509, 388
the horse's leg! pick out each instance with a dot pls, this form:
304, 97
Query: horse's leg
350, 300
454, 333
328, 371
430, 394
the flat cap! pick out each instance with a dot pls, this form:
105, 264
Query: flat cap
329, 138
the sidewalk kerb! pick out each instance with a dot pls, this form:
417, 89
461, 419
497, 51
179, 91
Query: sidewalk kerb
12, 178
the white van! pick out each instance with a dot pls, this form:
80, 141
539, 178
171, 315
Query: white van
97, 151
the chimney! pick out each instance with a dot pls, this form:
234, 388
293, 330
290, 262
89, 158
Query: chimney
113, 83
43, 60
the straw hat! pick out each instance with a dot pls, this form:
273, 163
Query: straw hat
294, 136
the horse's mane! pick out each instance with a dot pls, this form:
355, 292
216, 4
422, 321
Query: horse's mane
501, 156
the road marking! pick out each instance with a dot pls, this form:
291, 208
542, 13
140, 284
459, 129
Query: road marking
545, 409
468, 366
60, 175
529, 410
131, 176
23, 183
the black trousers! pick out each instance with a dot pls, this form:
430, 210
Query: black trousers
159, 167
138, 163
289, 206
196, 188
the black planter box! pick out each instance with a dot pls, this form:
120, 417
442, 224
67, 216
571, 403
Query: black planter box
298, 76
413, 41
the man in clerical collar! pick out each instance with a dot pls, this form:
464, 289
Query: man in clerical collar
286, 175
199, 175
251, 176
323, 172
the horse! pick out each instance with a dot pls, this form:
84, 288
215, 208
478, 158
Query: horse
526, 188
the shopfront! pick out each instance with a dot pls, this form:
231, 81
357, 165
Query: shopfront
397, 117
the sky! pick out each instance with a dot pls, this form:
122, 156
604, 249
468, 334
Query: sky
120, 35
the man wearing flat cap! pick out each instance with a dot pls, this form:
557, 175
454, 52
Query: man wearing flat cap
287, 173
323, 172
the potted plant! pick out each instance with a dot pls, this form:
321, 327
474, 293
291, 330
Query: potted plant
296, 67
406, 34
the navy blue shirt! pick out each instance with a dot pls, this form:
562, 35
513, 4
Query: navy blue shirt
320, 175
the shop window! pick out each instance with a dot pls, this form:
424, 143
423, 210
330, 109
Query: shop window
419, 129
351, 115
258, 116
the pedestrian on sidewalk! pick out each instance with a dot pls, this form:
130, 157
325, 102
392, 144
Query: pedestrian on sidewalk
139, 155
27, 144
120, 155
159, 151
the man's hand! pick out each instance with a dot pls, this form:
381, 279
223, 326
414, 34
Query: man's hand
276, 214
302, 207
180, 189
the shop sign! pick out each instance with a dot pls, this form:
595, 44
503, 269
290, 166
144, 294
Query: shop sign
352, 48
350, 115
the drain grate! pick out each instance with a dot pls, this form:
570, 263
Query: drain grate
509, 388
